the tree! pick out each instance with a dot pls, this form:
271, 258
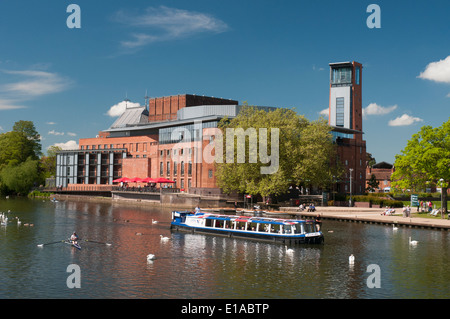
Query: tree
19, 152
372, 184
21, 178
300, 152
27, 128
425, 159
48, 163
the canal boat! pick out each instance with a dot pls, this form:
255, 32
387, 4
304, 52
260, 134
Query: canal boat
286, 231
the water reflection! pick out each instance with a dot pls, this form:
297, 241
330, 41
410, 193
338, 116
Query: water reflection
203, 266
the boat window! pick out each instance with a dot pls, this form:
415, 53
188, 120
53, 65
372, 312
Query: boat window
287, 229
310, 227
276, 229
209, 222
297, 228
227, 224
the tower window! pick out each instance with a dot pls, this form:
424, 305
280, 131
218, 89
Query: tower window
357, 75
339, 111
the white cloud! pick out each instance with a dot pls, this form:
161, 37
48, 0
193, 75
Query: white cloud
36, 83
404, 120
50, 123
119, 108
69, 145
10, 104
375, 109
325, 112
71, 134
53, 132
165, 24
437, 71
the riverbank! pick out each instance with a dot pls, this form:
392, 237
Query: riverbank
347, 214
372, 216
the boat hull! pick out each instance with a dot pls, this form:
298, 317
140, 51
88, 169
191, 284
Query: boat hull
276, 238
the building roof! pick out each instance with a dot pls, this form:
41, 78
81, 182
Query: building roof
131, 116
382, 165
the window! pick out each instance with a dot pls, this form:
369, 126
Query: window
182, 169
190, 169
168, 168
339, 111
357, 75
210, 173
161, 169
341, 76
175, 168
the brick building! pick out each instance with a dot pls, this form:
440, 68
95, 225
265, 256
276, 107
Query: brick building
382, 172
165, 137
345, 117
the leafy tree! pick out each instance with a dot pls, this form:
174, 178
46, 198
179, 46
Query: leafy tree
48, 163
302, 151
21, 178
425, 159
27, 128
372, 184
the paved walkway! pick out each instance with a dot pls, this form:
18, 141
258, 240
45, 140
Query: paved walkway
372, 215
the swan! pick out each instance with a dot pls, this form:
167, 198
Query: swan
351, 259
413, 242
394, 227
154, 221
289, 250
150, 257
18, 221
164, 238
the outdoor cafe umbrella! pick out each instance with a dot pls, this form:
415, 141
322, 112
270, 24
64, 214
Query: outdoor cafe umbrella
135, 180
149, 180
163, 180
122, 179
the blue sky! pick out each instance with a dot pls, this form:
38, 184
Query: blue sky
273, 53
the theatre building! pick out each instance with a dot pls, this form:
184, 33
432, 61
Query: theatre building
168, 135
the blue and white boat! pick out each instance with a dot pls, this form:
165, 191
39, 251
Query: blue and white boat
286, 231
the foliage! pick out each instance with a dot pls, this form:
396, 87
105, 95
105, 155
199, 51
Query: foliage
20, 178
304, 150
48, 163
19, 153
425, 159
372, 183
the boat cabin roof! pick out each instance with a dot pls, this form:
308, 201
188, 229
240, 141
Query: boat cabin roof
246, 219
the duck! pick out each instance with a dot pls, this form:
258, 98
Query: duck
150, 257
351, 259
413, 242
164, 238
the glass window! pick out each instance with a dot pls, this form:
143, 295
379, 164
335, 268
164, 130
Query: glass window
357, 75
341, 76
210, 173
168, 168
339, 111
175, 168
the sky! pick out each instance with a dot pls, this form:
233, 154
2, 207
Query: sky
68, 70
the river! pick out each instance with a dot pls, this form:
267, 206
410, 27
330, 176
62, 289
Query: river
197, 266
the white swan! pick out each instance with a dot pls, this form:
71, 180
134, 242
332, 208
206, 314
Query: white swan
394, 227
413, 242
154, 221
351, 259
289, 250
164, 238
150, 257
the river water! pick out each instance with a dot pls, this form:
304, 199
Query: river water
197, 266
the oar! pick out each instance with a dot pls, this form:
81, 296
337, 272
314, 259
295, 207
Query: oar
55, 242
97, 242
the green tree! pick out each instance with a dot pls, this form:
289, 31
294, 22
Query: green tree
21, 178
48, 163
303, 152
425, 159
28, 129
372, 184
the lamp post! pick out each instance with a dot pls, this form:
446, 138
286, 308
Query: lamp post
350, 203
442, 198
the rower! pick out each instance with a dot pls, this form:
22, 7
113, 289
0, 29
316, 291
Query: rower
74, 238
